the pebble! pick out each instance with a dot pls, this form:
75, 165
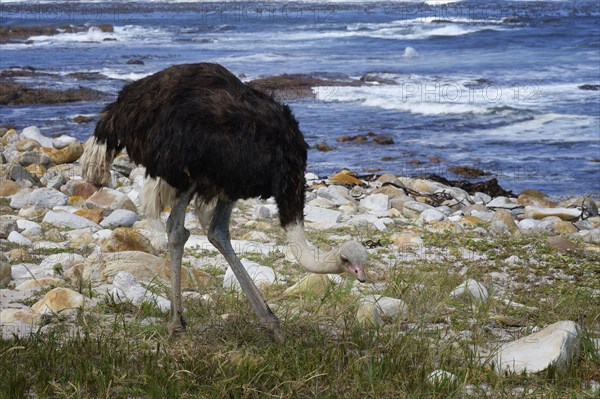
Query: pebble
336, 195
412, 209
431, 215
324, 217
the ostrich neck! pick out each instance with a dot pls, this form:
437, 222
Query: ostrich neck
312, 260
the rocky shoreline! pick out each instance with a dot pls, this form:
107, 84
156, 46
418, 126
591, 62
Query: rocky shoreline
59, 234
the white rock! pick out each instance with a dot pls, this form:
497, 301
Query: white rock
47, 198
66, 260
267, 211
481, 198
369, 317
472, 288
127, 287
555, 345
439, 377
19, 239
328, 217
321, 203
513, 260
311, 176
376, 202
390, 307
370, 221
503, 203
102, 234
68, 220
62, 141
413, 209
528, 224
25, 270
120, 218
485, 216
534, 212
258, 273
32, 132
431, 215
337, 195
29, 228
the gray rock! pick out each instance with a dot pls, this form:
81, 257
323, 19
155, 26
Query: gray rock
123, 165
17, 172
481, 198
42, 197
62, 141
585, 204
337, 195
7, 225
120, 218
390, 307
32, 132
503, 203
412, 209
68, 220
33, 158
5, 274
128, 288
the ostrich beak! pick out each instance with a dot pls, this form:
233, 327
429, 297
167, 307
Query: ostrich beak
357, 271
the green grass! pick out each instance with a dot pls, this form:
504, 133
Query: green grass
118, 350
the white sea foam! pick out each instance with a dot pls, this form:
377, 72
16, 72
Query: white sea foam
128, 76
121, 34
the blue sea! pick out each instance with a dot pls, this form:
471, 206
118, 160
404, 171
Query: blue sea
491, 84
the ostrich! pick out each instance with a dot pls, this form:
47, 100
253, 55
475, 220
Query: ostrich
201, 132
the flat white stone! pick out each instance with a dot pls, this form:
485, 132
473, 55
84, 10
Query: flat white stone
503, 203
66, 260
239, 246
376, 202
313, 214
258, 273
42, 197
127, 287
337, 195
69, 220
555, 345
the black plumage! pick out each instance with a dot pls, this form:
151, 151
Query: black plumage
198, 123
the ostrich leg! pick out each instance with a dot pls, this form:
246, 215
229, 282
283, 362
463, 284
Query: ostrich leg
178, 235
218, 235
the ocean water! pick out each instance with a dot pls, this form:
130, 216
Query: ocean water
493, 85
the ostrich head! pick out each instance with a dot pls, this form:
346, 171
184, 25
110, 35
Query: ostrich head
350, 257
353, 257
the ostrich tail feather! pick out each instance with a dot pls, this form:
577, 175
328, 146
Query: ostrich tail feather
96, 161
156, 195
